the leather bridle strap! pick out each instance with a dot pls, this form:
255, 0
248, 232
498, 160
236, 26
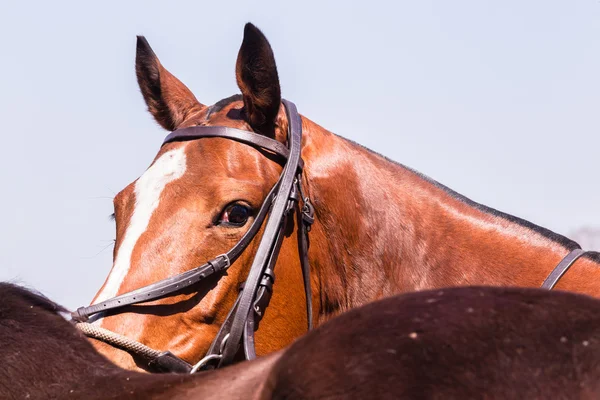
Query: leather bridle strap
306, 218
273, 225
250, 138
561, 268
263, 295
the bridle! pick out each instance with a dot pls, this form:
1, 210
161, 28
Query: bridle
255, 293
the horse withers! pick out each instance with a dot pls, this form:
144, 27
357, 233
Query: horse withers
378, 227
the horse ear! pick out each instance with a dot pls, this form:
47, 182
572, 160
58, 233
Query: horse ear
169, 101
256, 75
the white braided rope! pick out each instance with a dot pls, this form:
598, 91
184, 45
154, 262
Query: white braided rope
117, 340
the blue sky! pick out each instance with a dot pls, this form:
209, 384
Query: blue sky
497, 100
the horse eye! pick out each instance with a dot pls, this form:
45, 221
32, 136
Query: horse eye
235, 215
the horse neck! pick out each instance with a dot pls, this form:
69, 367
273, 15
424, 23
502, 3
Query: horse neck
382, 229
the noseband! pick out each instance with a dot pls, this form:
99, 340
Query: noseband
254, 296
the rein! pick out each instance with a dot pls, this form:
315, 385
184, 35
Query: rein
255, 294
562, 267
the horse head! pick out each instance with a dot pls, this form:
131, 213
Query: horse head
195, 201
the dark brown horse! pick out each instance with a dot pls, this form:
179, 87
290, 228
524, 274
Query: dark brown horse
44, 357
380, 228
456, 343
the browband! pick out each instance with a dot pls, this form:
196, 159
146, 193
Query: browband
246, 137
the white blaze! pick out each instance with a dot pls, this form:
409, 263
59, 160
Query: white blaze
169, 167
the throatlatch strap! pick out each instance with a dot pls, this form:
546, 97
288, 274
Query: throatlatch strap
303, 248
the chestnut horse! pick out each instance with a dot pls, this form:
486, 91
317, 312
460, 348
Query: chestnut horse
379, 228
457, 343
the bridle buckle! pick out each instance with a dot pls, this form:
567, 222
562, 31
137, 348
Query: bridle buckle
227, 261
216, 263
210, 357
308, 213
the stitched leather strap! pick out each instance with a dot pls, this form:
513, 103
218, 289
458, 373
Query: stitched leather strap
155, 290
561, 268
246, 137
248, 339
261, 298
251, 138
273, 225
